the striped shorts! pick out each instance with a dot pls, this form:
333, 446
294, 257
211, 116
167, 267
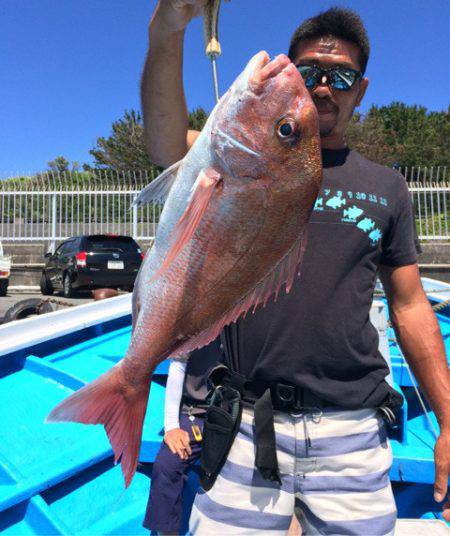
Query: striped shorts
334, 469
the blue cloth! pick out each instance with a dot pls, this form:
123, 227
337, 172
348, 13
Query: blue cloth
165, 504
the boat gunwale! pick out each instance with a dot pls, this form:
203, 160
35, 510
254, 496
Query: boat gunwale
30, 332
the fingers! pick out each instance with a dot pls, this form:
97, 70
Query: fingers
178, 442
441, 472
180, 446
446, 511
182, 3
440, 483
174, 15
171, 446
181, 451
195, 5
177, 447
186, 443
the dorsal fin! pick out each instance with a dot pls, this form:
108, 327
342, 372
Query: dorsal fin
202, 190
159, 188
284, 272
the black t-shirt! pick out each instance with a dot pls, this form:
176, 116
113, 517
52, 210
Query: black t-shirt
320, 336
195, 387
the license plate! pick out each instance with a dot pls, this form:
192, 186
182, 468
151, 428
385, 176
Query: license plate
115, 265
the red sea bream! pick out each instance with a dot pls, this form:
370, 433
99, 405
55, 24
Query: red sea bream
232, 233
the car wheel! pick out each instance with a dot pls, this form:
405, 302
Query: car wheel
68, 290
3, 287
26, 308
46, 286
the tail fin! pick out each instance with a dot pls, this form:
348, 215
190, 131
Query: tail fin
121, 410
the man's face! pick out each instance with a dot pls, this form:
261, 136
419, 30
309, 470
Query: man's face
335, 107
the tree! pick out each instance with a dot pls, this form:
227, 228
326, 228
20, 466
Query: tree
124, 149
61, 165
366, 135
407, 134
397, 133
197, 119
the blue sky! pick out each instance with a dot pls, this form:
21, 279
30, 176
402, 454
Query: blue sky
71, 67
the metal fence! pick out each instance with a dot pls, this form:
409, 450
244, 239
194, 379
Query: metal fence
51, 207
423, 174
430, 191
54, 206
431, 205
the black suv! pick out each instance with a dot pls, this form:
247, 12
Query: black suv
91, 261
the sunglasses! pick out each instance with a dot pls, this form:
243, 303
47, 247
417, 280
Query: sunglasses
341, 78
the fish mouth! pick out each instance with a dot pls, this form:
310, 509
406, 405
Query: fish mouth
265, 69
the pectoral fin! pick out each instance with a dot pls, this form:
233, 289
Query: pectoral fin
159, 188
202, 191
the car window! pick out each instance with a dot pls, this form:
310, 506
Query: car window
59, 250
107, 244
70, 246
66, 248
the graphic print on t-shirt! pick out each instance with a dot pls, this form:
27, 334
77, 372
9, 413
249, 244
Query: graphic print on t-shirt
354, 208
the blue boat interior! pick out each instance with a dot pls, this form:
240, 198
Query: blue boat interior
61, 479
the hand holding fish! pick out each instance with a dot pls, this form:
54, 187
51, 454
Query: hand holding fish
175, 15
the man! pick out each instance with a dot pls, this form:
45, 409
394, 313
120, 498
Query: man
184, 410
317, 343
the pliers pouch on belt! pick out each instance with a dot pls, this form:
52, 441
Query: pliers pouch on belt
221, 424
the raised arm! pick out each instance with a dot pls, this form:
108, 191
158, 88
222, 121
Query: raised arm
167, 136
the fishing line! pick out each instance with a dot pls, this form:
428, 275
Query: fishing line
211, 32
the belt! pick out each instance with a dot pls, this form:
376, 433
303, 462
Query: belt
266, 397
194, 404
285, 397
282, 397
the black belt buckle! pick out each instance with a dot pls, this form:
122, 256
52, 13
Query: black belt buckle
285, 396
295, 399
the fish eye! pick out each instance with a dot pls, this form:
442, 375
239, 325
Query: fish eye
286, 128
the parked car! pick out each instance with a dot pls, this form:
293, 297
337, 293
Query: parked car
89, 262
5, 272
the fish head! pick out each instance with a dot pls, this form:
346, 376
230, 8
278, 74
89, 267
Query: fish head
266, 121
